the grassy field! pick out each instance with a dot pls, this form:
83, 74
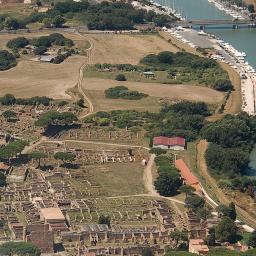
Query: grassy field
95, 88
33, 78
135, 76
117, 49
120, 178
17, 10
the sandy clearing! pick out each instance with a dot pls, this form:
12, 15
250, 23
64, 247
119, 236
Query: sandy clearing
173, 92
111, 48
31, 78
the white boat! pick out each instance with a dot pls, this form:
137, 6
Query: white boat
202, 33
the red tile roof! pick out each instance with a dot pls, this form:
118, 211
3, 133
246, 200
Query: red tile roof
186, 174
174, 141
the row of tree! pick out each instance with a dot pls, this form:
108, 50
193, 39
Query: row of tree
9, 99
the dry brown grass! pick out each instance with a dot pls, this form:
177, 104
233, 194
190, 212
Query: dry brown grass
118, 49
31, 78
95, 88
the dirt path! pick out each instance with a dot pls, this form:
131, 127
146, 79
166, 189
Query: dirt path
224, 199
90, 53
148, 178
33, 145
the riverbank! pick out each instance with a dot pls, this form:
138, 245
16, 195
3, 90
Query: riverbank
241, 74
234, 102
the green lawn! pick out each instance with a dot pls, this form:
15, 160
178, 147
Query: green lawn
120, 178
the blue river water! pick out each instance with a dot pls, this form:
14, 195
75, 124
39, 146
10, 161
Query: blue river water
243, 39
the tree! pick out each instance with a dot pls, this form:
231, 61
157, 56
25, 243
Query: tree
194, 202
8, 99
229, 211
252, 239
120, 77
250, 8
80, 103
12, 149
104, 220
40, 50
64, 157
147, 252
47, 22
9, 115
11, 24
19, 42
19, 248
2, 223
7, 60
38, 156
55, 118
167, 184
232, 211
58, 21
210, 239
38, 3
226, 230
2, 180
188, 190
165, 57
179, 237
223, 85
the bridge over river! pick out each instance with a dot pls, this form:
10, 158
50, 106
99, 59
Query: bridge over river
235, 23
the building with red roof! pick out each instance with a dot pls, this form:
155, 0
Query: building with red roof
175, 143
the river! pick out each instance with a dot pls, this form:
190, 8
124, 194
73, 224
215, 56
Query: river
243, 39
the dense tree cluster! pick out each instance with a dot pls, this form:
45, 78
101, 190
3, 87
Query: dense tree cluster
102, 16
56, 118
184, 119
228, 211
226, 230
19, 248
119, 118
169, 122
12, 149
122, 92
189, 67
197, 205
232, 139
19, 42
168, 181
9, 99
7, 60
41, 43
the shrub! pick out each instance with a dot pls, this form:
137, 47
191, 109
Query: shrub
40, 50
7, 60
223, 85
120, 77
123, 93
19, 42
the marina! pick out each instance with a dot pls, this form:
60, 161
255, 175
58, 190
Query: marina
226, 51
